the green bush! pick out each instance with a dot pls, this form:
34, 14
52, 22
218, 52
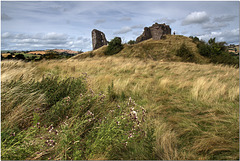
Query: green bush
131, 42
114, 46
20, 56
217, 52
225, 58
185, 53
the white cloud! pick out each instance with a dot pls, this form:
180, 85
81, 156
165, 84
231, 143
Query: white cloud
6, 35
231, 36
196, 18
123, 30
55, 36
41, 41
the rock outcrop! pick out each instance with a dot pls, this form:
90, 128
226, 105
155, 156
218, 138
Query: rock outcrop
98, 39
156, 31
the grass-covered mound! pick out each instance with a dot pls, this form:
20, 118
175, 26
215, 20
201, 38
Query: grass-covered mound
165, 50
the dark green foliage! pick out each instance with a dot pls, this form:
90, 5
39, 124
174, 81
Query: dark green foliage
9, 57
51, 55
204, 49
217, 52
131, 42
194, 39
56, 89
20, 56
225, 58
185, 53
114, 46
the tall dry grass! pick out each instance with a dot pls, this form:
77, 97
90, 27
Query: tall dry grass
194, 107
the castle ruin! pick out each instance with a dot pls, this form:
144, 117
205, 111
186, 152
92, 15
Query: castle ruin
156, 31
98, 39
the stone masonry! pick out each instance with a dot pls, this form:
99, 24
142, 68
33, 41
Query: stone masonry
156, 31
98, 39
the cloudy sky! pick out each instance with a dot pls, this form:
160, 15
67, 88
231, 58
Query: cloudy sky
34, 25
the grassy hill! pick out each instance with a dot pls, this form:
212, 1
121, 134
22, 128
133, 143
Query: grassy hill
119, 108
165, 49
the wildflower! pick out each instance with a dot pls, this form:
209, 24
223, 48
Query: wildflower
13, 134
89, 113
118, 106
129, 101
56, 132
118, 122
130, 135
50, 128
133, 114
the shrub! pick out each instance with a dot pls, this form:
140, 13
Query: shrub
131, 42
204, 49
194, 39
185, 53
20, 56
114, 46
217, 52
225, 58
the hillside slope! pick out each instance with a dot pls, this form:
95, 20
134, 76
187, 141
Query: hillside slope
165, 49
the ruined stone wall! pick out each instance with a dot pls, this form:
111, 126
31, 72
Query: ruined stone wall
156, 31
98, 39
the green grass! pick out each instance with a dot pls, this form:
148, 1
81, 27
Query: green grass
81, 110
72, 122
